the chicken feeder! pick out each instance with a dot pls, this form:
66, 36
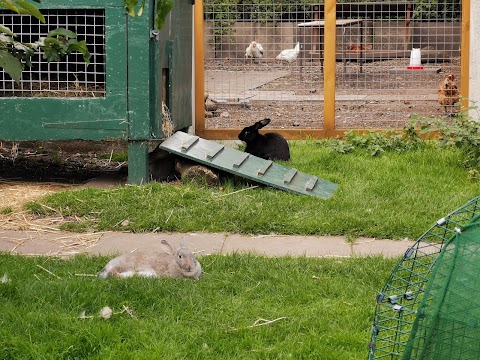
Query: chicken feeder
134, 73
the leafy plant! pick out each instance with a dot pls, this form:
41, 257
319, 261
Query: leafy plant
462, 132
377, 143
15, 55
162, 9
130, 7
437, 9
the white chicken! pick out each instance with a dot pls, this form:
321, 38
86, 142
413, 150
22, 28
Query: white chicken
254, 51
289, 55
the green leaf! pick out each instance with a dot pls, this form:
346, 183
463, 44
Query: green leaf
11, 65
140, 10
163, 9
7, 4
6, 30
62, 32
81, 47
27, 8
52, 41
130, 6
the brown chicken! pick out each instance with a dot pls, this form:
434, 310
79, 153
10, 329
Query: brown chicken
358, 47
448, 93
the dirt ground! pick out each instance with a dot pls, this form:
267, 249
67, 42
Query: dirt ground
383, 95
68, 162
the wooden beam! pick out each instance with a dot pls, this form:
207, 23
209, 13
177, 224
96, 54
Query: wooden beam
465, 54
199, 114
329, 66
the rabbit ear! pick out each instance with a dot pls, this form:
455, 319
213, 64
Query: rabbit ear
167, 247
183, 244
260, 124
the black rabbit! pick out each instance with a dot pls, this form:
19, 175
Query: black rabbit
271, 146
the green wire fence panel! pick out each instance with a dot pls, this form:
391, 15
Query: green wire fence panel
429, 308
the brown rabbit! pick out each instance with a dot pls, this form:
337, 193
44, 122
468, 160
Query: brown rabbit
174, 263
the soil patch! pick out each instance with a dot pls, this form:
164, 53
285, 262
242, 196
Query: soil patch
71, 162
379, 95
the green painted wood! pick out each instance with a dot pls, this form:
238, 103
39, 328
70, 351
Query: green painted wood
138, 162
77, 4
106, 125
131, 108
175, 55
248, 166
139, 46
141, 92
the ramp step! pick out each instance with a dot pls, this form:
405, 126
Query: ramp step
267, 172
189, 143
289, 176
311, 183
214, 152
241, 159
265, 168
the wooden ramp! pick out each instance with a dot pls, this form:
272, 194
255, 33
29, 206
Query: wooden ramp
243, 164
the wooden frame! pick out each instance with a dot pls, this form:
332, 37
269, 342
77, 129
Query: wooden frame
329, 129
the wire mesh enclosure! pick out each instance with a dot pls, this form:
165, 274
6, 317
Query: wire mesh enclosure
254, 68
135, 73
429, 308
70, 77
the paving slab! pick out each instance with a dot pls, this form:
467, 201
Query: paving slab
113, 243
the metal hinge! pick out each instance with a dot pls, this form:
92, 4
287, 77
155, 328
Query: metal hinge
154, 34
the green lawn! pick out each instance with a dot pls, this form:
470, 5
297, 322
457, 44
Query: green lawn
244, 306
394, 195
319, 308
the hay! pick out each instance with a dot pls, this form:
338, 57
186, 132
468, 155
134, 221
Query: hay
15, 194
167, 124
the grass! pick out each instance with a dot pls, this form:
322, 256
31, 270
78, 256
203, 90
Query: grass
394, 195
318, 308
323, 309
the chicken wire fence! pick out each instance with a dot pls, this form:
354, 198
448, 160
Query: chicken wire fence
380, 81
429, 308
70, 77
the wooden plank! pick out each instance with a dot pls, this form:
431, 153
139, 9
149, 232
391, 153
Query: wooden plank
329, 67
212, 153
190, 142
264, 168
311, 183
241, 160
288, 178
242, 164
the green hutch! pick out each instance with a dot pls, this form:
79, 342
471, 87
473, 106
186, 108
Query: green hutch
133, 70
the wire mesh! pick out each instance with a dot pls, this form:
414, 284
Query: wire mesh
399, 300
70, 77
448, 326
375, 88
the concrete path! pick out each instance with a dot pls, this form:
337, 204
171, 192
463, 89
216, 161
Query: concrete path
247, 86
109, 243
51, 241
